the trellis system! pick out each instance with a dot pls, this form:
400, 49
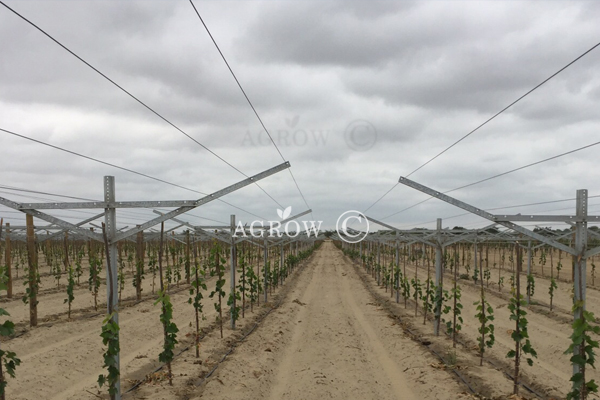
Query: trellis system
113, 236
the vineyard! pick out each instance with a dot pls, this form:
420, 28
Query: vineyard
179, 321
174, 286
495, 300
299, 200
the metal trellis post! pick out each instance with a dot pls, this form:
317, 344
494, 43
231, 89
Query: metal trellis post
378, 263
110, 217
528, 271
438, 279
580, 261
266, 256
397, 275
8, 261
281, 263
233, 266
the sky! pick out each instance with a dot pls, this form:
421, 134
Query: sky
355, 94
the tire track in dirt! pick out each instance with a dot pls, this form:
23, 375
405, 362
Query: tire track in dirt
285, 367
392, 370
330, 342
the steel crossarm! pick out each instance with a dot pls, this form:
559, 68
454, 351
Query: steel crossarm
53, 220
501, 220
202, 201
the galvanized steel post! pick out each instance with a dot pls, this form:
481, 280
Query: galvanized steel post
232, 254
580, 260
8, 261
528, 271
438, 278
280, 263
265, 285
396, 272
110, 219
378, 267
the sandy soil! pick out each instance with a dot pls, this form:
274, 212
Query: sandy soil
62, 359
549, 331
51, 296
329, 332
328, 340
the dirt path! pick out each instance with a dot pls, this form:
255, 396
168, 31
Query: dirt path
328, 340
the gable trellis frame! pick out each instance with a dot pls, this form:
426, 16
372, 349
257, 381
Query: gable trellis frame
579, 252
233, 240
110, 206
438, 239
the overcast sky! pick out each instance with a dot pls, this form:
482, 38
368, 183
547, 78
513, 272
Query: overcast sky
354, 94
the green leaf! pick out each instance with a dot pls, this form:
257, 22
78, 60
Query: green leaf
578, 359
592, 387
530, 362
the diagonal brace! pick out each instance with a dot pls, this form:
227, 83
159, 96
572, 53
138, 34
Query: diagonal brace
486, 215
203, 200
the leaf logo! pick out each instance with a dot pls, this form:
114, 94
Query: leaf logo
285, 213
292, 122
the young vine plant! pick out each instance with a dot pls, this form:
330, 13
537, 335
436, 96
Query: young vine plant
216, 262
8, 359
485, 316
110, 338
70, 289
170, 331
582, 341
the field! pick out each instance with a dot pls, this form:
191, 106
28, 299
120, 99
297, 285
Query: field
242, 200
60, 343
549, 330
330, 331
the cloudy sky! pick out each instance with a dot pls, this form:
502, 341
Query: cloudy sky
354, 94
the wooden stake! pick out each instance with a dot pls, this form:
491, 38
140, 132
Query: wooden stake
482, 304
519, 254
454, 309
32, 260
196, 338
187, 256
162, 289
8, 261
139, 264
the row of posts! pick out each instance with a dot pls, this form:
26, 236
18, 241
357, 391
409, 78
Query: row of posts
111, 263
579, 263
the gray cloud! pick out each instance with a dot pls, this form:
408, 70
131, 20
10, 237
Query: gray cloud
422, 73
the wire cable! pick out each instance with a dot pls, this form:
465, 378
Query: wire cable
527, 166
121, 168
248, 99
236, 79
100, 161
86, 199
381, 198
504, 208
134, 97
45, 193
498, 175
545, 211
489, 120
505, 108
